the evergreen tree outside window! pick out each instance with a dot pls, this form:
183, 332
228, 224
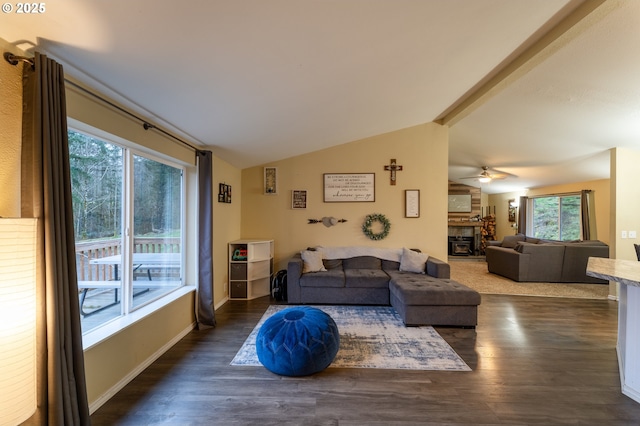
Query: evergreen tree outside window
556, 217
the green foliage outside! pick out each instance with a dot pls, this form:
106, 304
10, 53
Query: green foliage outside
97, 185
557, 218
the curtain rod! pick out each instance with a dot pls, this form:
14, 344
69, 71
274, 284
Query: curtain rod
559, 194
14, 60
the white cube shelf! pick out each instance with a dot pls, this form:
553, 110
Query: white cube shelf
250, 277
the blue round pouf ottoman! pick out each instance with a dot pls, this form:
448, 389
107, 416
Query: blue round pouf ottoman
298, 341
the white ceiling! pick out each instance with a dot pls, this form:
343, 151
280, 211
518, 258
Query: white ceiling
258, 81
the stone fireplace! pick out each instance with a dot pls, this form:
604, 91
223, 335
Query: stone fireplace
464, 238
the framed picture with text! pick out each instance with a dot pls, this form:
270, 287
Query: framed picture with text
412, 203
349, 187
298, 199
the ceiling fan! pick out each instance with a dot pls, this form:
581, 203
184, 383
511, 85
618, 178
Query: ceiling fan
486, 177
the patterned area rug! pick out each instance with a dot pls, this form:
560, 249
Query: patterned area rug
373, 337
475, 274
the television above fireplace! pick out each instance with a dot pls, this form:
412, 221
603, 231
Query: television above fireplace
460, 203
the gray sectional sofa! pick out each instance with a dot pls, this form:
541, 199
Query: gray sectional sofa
527, 259
421, 293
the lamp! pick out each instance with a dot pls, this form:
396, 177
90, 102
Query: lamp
17, 320
485, 176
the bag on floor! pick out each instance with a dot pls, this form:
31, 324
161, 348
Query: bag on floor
279, 286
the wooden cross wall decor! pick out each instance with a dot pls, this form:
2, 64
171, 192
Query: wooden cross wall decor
393, 168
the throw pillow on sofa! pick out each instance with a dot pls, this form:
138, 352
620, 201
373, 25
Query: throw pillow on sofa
510, 241
522, 244
412, 261
312, 261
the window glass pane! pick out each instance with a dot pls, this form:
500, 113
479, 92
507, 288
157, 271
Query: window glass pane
96, 186
556, 217
545, 218
570, 218
157, 212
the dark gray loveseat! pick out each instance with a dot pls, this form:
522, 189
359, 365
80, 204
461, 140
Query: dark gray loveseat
527, 259
427, 297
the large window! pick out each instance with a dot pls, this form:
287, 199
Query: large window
127, 210
556, 217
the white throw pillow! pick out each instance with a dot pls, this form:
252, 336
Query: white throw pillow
412, 261
312, 261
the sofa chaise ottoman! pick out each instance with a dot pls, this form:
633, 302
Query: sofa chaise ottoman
424, 300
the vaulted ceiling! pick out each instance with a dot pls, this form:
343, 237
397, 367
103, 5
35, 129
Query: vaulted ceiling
539, 90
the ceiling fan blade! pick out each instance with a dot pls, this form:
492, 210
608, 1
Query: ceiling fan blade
487, 175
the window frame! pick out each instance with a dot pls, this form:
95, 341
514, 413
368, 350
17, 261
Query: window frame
530, 212
130, 314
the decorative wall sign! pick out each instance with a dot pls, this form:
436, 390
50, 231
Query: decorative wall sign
298, 199
349, 187
271, 180
327, 221
412, 203
224, 193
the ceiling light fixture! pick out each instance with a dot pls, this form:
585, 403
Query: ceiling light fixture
485, 177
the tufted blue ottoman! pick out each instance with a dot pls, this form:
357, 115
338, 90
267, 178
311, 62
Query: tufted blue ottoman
298, 341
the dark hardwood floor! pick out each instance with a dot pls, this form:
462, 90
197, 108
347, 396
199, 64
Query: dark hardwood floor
535, 361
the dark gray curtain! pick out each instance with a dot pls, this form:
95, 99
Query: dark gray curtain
588, 213
205, 313
46, 195
522, 215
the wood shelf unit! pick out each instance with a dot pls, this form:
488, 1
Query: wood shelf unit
250, 277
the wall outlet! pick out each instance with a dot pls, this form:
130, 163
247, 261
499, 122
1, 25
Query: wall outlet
632, 234
623, 234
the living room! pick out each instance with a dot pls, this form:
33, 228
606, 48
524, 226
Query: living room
423, 151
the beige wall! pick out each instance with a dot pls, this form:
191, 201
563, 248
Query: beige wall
625, 203
501, 204
421, 150
10, 133
226, 219
113, 363
601, 193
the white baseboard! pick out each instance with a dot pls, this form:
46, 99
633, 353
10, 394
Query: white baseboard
102, 399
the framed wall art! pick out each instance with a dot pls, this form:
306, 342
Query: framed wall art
298, 199
412, 203
224, 193
512, 210
271, 180
349, 187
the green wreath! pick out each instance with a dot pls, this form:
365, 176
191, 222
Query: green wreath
368, 221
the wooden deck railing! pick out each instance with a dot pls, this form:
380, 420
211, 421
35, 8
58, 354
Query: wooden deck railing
86, 251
